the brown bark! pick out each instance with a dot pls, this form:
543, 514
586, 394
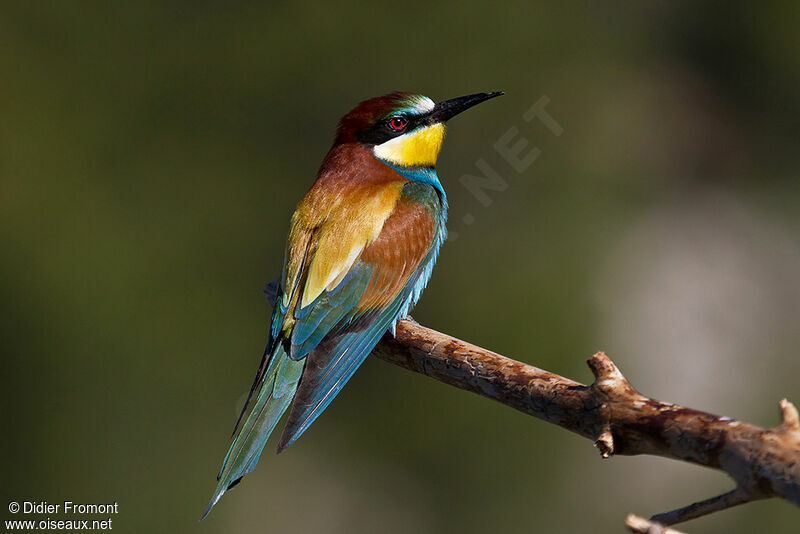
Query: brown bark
619, 420
764, 462
640, 525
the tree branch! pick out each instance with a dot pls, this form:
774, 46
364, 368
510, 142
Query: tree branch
713, 504
763, 462
619, 420
640, 525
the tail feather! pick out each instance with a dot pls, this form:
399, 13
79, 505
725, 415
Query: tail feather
278, 385
262, 369
331, 365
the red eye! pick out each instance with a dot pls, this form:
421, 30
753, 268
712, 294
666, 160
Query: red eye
397, 123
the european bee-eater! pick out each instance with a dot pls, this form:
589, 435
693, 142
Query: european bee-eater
361, 248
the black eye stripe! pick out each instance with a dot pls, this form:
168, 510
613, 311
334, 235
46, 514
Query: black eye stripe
383, 130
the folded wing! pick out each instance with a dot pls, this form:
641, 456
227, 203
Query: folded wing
341, 326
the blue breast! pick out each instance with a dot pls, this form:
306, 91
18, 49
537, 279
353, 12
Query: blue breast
426, 189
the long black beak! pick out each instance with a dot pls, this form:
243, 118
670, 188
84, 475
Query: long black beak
450, 108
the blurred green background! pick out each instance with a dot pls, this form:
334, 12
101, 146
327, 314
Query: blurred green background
151, 154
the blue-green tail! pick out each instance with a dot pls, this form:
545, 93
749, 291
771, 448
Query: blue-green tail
278, 385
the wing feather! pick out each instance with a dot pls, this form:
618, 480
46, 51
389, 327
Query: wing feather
345, 324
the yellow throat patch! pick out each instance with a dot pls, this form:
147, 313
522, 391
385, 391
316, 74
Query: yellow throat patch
417, 148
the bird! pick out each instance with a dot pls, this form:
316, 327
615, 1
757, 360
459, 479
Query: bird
361, 248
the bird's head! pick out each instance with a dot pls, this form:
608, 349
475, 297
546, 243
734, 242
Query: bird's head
404, 129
